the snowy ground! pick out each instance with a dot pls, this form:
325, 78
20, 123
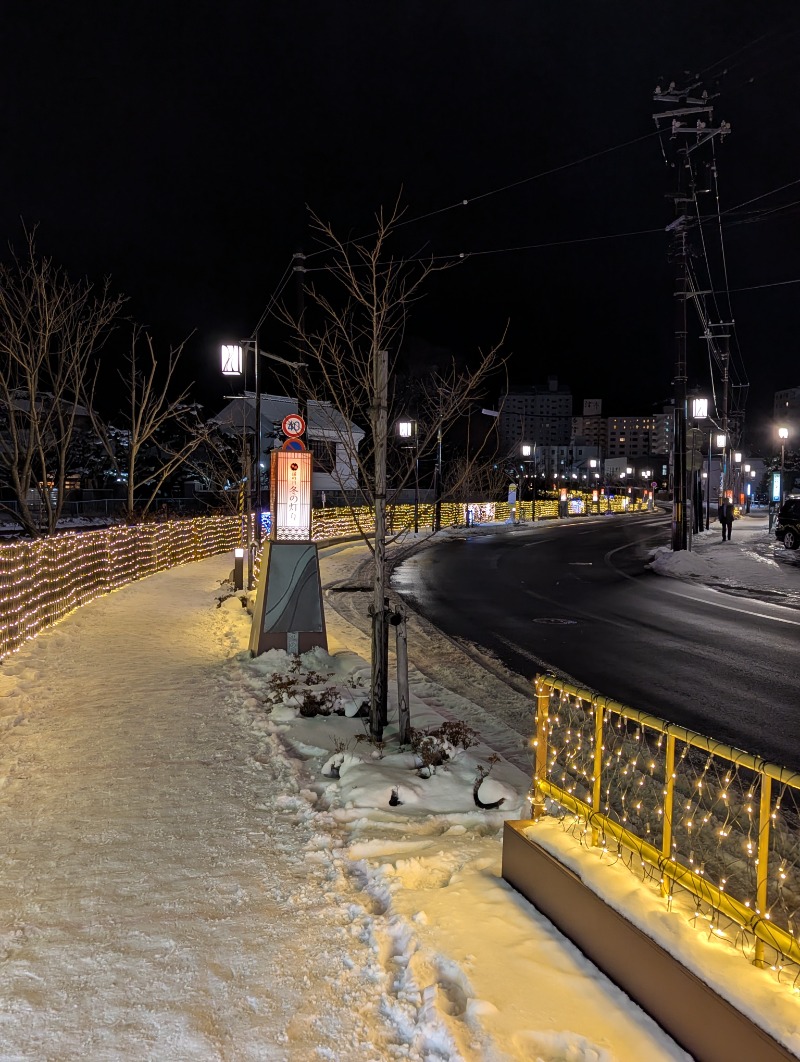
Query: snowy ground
752, 564
183, 876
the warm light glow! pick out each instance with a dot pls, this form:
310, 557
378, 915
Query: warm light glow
44, 581
238, 552
292, 474
783, 433
699, 408
231, 359
405, 429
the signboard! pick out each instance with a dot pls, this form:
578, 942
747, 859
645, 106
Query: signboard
653, 485
293, 425
291, 492
775, 487
512, 493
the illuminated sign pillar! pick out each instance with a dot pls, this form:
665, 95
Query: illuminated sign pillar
289, 612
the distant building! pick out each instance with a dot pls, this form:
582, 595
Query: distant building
786, 409
539, 415
590, 430
638, 436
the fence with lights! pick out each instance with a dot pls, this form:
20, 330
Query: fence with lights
43, 580
709, 825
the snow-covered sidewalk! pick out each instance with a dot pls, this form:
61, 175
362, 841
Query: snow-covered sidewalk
180, 881
753, 564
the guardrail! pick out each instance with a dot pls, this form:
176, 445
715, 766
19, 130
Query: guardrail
719, 823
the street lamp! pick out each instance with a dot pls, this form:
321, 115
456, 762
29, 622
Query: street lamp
232, 364
783, 435
527, 450
407, 430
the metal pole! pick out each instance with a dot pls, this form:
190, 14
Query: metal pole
437, 496
257, 381
708, 482
597, 782
534, 482
540, 771
416, 478
762, 870
669, 801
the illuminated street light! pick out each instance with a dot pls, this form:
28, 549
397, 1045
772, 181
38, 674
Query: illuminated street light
783, 435
407, 430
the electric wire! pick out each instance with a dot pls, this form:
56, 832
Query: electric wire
275, 296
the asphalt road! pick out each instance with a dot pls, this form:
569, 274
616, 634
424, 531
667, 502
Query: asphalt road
576, 597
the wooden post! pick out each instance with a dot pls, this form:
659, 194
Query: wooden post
403, 703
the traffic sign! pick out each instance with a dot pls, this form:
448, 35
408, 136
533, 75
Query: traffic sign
293, 425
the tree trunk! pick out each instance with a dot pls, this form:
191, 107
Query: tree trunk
379, 662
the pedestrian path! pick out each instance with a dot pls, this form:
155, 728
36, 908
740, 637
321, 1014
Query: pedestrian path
157, 900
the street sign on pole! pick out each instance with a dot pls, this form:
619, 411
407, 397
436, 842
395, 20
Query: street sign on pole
293, 425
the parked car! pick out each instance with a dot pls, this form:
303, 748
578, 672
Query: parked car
787, 528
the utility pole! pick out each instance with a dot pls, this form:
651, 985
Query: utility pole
690, 118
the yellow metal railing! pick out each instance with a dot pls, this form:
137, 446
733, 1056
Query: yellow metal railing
718, 822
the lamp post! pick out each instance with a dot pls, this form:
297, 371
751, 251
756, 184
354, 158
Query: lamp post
407, 429
526, 452
722, 444
737, 475
783, 435
233, 365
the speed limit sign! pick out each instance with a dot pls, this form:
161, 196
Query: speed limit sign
293, 425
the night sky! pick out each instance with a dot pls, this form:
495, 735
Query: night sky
176, 147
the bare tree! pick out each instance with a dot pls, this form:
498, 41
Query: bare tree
159, 434
479, 479
51, 329
361, 304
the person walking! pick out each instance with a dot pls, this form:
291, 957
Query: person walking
725, 517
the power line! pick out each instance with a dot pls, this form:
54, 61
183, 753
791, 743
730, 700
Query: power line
773, 284
534, 177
